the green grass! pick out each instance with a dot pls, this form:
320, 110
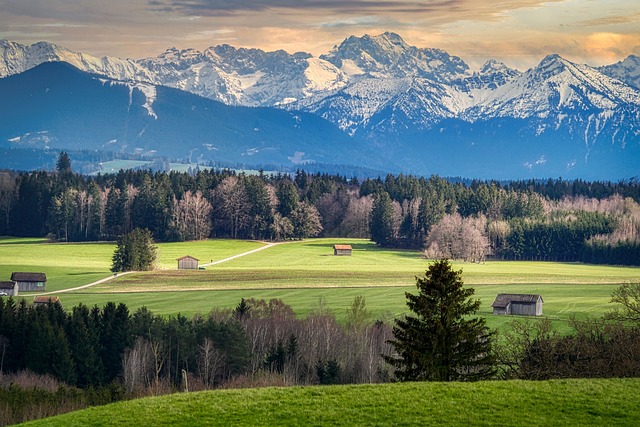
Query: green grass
66, 265
302, 273
384, 303
514, 403
69, 265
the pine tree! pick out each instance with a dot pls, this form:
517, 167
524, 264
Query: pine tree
63, 164
135, 252
84, 345
441, 343
381, 224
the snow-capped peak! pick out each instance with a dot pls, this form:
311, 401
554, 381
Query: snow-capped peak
389, 56
627, 71
16, 58
492, 66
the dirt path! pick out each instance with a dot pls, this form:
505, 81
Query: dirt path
261, 248
97, 282
106, 279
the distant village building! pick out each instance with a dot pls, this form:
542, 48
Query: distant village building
187, 263
28, 282
43, 300
518, 304
342, 250
9, 289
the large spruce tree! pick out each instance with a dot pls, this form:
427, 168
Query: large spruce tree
135, 251
441, 342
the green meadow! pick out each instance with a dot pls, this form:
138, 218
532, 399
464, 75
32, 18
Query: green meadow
304, 274
612, 402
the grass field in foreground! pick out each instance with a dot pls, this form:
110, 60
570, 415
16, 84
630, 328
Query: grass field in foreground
494, 403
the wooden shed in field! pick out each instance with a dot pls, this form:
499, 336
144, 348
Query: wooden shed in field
518, 304
28, 282
9, 289
188, 263
342, 250
42, 300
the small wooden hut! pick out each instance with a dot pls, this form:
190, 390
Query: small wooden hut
9, 289
42, 300
518, 304
187, 263
28, 282
344, 250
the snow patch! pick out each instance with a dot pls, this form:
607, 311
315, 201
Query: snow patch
150, 94
350, 68
297, 158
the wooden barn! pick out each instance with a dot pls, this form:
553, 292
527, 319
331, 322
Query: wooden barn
518, 304
187, 263
43, 300
28, 282
344, 250
9, 289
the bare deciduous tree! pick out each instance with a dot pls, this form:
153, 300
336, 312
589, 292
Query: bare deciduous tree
232, 205
191, 216
210, 360
456, 237
356, 220
137, 366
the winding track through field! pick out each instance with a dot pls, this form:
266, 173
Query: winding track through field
106, 279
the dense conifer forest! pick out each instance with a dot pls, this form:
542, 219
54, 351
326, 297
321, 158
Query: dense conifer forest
595, 222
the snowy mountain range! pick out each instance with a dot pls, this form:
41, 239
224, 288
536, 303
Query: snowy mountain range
57, 106
414, 106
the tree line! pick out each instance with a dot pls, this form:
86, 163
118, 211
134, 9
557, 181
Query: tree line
92, 347
534, 220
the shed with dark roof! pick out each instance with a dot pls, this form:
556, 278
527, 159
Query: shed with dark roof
8, 289
518, 304
28, 282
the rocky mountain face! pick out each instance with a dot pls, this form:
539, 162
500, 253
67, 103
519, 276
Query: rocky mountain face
627, 71
556, 119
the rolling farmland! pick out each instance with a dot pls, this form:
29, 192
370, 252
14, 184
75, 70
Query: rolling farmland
302, 274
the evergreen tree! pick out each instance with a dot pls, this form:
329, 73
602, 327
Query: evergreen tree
63, 165
135, 252
288, 198
381, 224
115, 337
62, 366
84, 344
441, 343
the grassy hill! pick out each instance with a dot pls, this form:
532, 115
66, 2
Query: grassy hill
515, 403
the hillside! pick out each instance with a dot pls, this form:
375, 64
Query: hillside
57, 106
569, 402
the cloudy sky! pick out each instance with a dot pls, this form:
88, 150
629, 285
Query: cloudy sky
518, 32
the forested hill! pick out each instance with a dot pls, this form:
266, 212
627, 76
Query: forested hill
543, 220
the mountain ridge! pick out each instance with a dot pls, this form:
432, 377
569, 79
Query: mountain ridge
401, 99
